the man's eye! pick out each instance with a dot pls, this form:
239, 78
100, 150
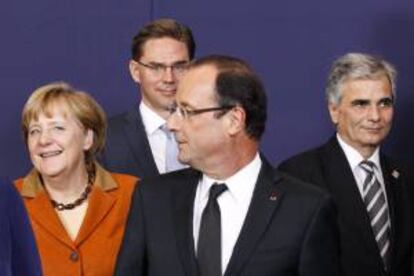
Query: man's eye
180, 67
386, 103
158, 67
185, 112
360, 103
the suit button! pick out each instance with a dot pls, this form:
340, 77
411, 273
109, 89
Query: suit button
74, 256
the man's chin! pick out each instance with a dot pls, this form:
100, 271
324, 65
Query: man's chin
183, 160
168, 93
373, 142
376, 138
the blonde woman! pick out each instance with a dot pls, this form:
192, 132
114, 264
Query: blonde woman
78, 210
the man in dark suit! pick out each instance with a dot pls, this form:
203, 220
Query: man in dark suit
231, 213
138, 142
367, 187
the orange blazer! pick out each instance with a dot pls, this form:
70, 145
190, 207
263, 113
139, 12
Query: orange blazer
96, 247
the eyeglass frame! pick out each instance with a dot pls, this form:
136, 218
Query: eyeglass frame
159, 68
184, 113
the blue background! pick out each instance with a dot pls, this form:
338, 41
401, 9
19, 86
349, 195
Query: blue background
291, 45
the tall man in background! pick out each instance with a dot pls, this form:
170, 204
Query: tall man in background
368, 188
231, 213
138, 141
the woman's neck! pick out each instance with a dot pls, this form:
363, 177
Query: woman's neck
66, 188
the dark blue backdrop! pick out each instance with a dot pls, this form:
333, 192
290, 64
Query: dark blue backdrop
291, 44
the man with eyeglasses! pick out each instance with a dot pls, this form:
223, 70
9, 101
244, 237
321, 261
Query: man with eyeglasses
231, 213
138, 141
369, 190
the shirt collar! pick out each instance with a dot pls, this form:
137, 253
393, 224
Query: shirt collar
240, 185
32, 184
354, 157
152, 121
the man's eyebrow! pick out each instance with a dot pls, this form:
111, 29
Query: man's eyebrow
186, 105
387, 99
183, 104
360, 102
179, 62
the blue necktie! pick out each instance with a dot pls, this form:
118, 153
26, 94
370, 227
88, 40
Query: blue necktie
171, 152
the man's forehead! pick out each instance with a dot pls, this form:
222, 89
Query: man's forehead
198, 84
165, 49
205, 72
367, 88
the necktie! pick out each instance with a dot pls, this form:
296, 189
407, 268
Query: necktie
374, 199
209, 239
171, 151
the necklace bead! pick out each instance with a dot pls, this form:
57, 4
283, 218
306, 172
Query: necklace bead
69, 206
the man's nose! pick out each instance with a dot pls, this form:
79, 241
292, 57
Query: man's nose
374, 113
168, 75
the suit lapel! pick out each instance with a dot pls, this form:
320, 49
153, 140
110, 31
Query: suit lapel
138, 141
266, 198
40, 209
42, 213
100, 203
183, 202
394, 190
344, 190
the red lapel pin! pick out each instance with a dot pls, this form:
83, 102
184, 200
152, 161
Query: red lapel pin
273, 196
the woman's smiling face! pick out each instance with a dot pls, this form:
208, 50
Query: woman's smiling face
57, 142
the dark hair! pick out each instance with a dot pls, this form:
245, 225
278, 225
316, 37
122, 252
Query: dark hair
160, 28
237, 84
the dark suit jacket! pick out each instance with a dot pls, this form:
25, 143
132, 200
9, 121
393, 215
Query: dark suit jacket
18, 252
127, 149
327, 167
289, 229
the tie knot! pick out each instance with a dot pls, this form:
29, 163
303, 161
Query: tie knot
165, 128
367, 166
216, 190
167, 131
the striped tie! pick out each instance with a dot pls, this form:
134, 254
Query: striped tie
374, 199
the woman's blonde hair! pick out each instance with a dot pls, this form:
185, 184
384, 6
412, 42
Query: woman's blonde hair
61, 96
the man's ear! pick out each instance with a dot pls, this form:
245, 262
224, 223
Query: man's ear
333, 111
134, 71
236, 120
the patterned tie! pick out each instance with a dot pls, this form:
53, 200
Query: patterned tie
209, 239
374, 199
171, 152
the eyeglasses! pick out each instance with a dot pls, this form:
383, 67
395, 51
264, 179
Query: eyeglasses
184, 113
158, 68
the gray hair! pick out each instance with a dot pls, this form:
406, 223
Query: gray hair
357, 66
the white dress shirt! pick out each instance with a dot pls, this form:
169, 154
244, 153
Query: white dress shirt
355, 158
156, 136
234, 203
